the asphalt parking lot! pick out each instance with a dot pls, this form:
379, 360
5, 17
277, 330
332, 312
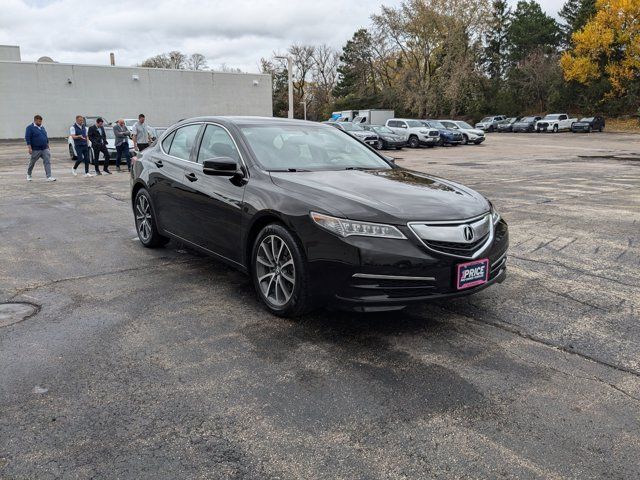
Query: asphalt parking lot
139, 363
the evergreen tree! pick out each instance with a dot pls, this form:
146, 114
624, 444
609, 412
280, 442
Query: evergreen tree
576, 14
356, 79
495, 51
531, 30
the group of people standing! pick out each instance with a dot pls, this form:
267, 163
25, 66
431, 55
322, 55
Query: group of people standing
38, 144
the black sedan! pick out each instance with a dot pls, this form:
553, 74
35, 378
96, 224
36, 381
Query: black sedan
387, 137
370, 138
314, 216
588, 124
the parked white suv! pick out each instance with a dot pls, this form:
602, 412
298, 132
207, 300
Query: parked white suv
555, 122
414, 131
469, 134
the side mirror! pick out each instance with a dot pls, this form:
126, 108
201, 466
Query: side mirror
403, 126
220, 166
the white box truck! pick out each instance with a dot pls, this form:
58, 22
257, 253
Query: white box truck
374, 117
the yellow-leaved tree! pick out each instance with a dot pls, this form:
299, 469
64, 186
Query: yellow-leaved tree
607, 47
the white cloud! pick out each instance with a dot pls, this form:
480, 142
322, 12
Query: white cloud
237, 33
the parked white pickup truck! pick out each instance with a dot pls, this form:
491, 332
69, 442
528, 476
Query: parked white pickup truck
555, 122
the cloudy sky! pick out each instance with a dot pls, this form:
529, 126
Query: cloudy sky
235, 33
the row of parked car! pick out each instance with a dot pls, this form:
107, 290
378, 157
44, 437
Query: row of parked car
397, 133
554, 122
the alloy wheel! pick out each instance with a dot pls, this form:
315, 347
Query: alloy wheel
275, 270
143, 218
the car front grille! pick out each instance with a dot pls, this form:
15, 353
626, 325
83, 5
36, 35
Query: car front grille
370, 139
543, 125
457, 249
434, 134
465, 239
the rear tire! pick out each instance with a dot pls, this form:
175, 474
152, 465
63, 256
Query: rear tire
145, 219
280, 273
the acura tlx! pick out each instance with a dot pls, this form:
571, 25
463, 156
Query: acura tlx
314, 216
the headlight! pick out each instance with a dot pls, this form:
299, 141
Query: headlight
346, 228
424, 132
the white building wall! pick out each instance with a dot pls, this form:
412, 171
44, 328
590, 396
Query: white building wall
10, 53
164, 96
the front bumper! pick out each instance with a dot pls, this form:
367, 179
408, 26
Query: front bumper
580, 128
428, 140
376, 274
394, 143
528, 128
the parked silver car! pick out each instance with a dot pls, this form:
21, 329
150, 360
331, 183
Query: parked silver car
490, 124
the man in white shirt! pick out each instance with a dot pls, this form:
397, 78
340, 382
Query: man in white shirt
142, 134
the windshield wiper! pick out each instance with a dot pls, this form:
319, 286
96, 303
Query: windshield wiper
290, 170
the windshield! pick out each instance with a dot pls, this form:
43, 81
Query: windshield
464, 125
109, 133
435, 124
351, 127
528, 119
386, 130
486, 119
512, 120
130, 123
414, 123
552, 117
308, 147
587, 119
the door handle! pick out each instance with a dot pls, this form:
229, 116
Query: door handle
159, 163
191, 177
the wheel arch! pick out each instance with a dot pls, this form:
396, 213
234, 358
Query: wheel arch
135, 189
258, 222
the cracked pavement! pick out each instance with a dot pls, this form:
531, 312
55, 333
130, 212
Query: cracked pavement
162, 364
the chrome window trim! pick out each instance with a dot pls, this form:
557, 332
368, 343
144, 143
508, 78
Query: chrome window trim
477, 253
392, 277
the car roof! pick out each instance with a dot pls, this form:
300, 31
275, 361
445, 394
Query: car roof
247, 120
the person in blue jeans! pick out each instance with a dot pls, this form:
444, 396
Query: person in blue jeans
122, 134
38, 143
78, 133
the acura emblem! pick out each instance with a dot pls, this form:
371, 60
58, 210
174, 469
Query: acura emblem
468, 233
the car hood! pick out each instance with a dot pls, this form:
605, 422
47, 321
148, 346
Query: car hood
582, 124
394, 196
524, 124
473, 131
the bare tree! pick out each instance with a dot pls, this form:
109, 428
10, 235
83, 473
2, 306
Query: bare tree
177, 60
157, 61
197, 61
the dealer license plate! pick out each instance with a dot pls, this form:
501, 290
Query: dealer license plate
472, 274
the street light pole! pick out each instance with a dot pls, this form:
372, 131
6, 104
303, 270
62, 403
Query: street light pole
304, 105
290, 72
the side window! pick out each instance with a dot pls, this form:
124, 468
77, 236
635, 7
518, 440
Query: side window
563, 117
166, 143
392, 123
216, 142
402, 124
183, 141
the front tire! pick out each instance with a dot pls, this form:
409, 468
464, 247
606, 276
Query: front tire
280, 273
146, 221
555, 129
379, 145
465, 140
414, 142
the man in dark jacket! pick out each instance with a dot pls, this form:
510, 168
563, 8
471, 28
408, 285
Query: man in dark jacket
98, 139
38, 143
